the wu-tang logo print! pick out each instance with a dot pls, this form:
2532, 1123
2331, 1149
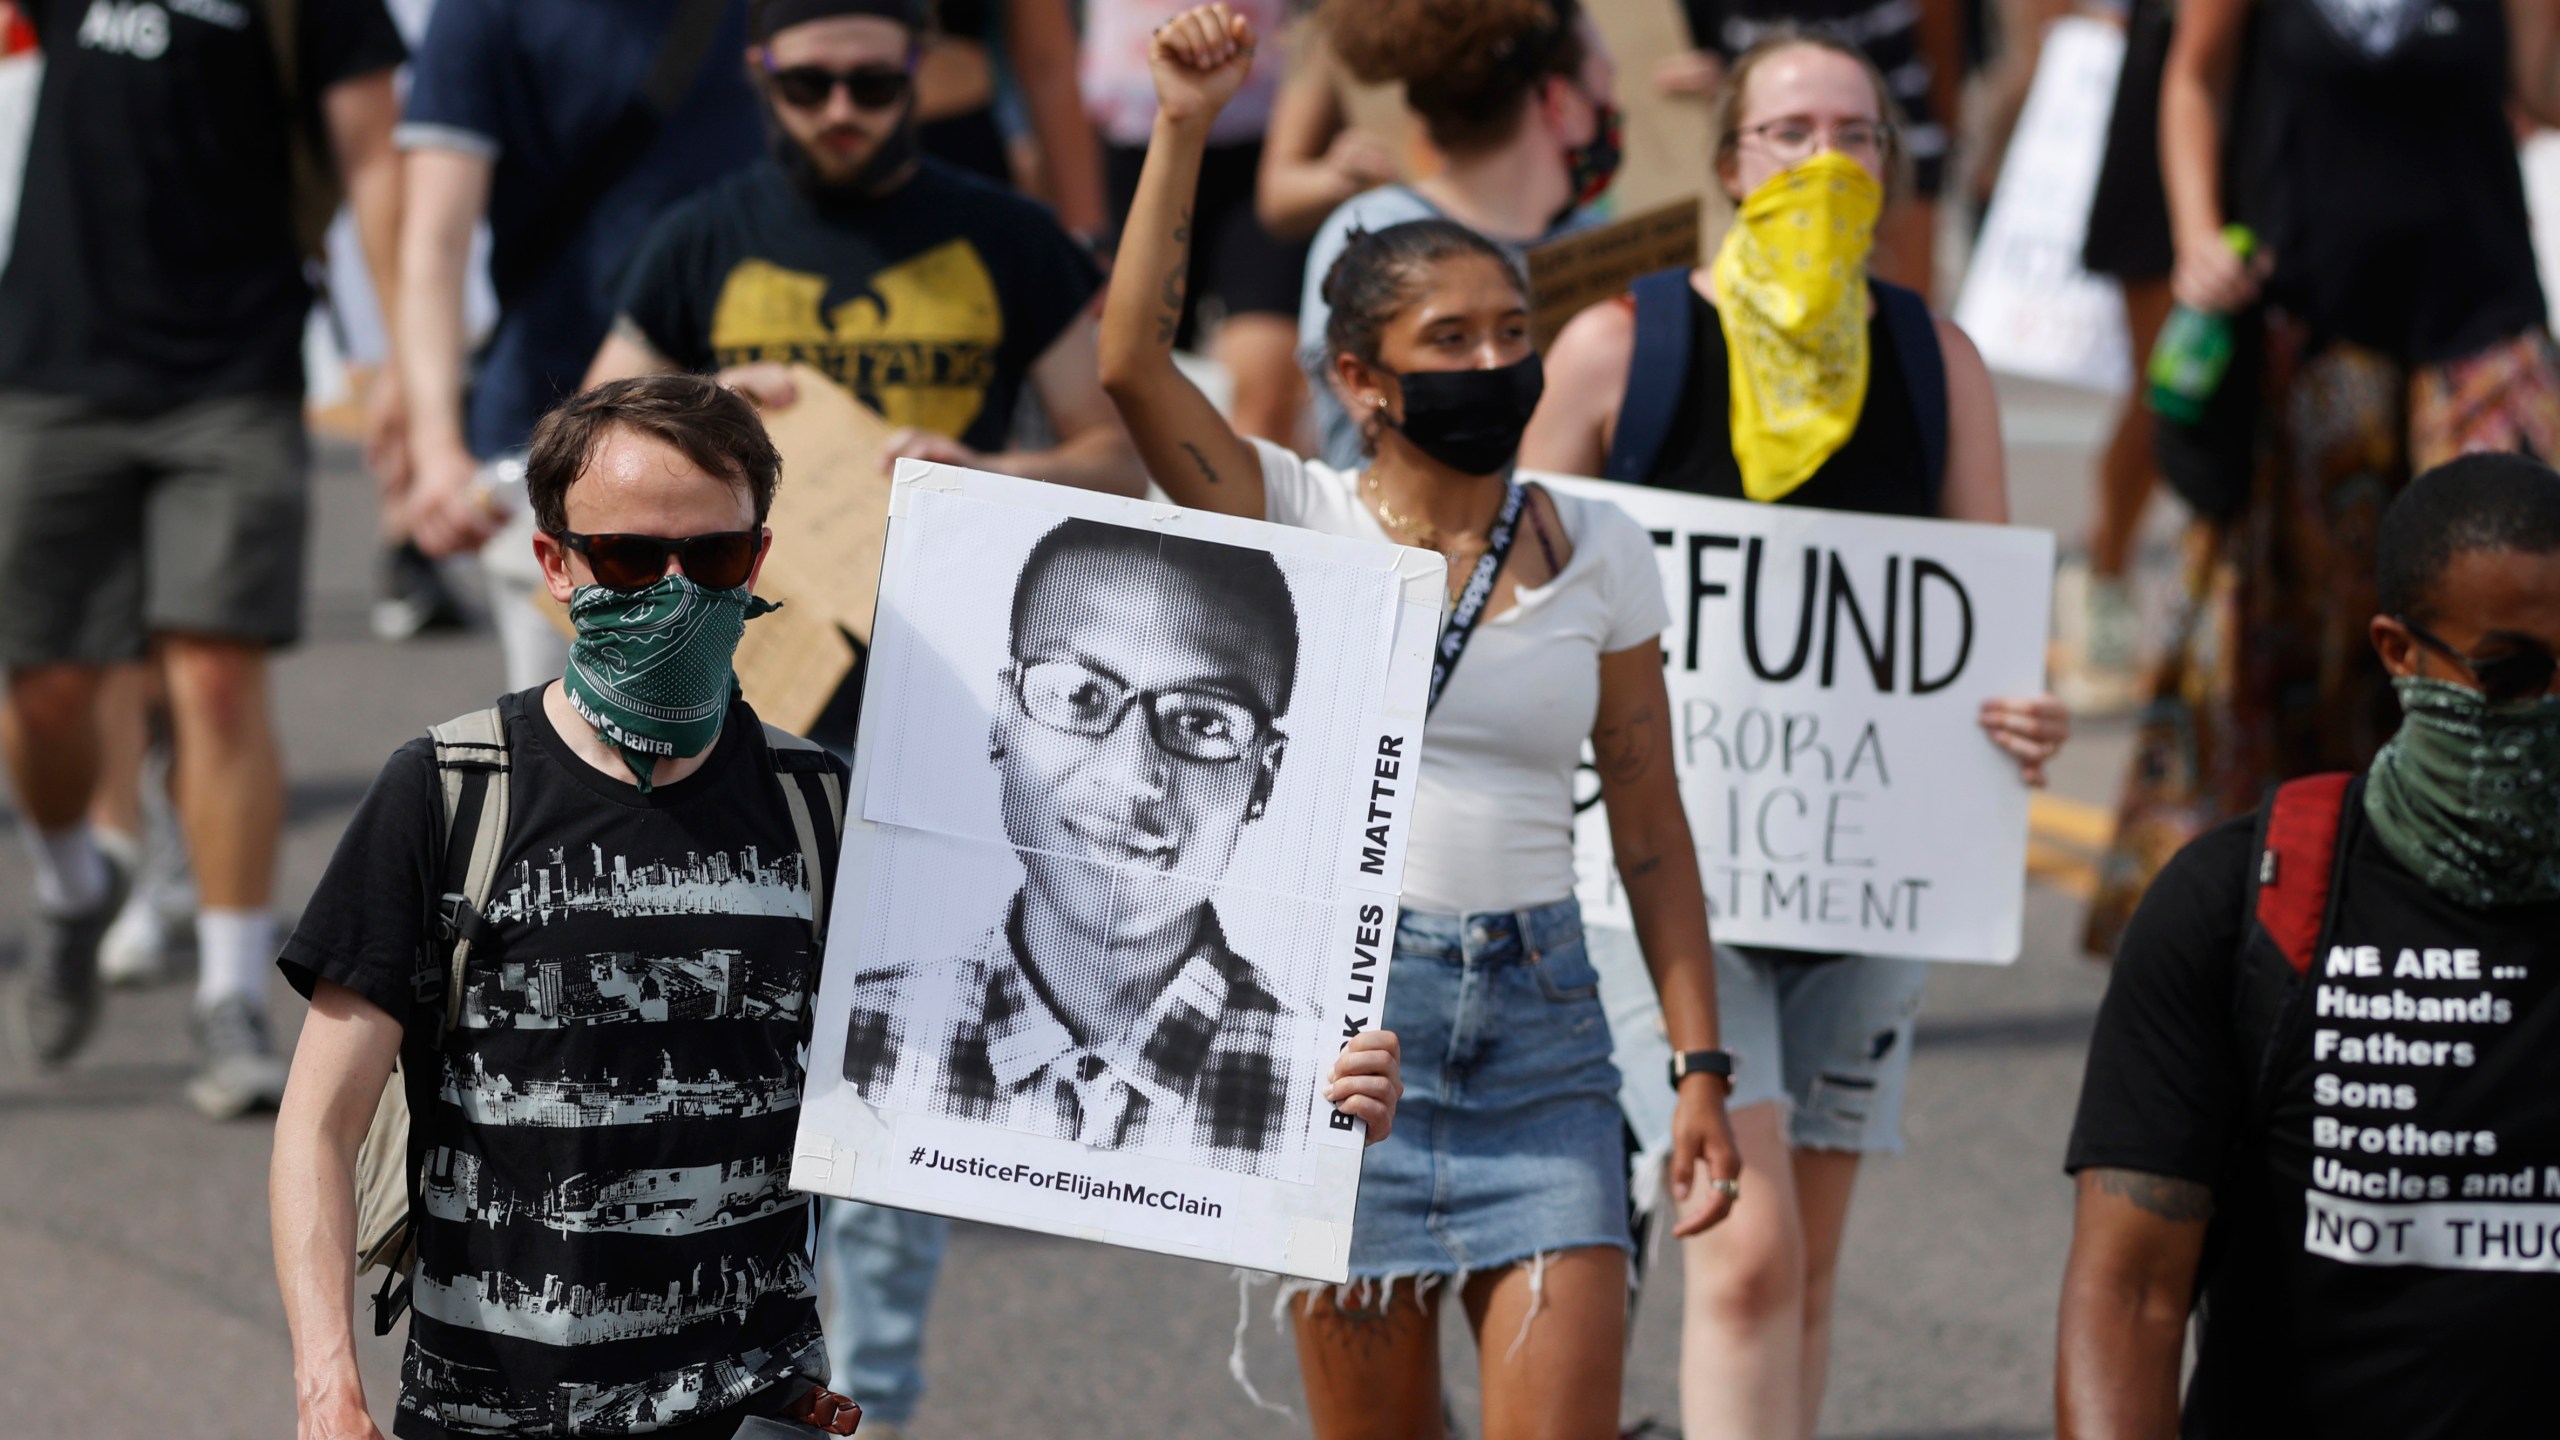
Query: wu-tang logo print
917, 342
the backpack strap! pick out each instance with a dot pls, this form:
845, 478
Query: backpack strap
1924, 373
810, 789
473, 768
2297, 855
1657, 374
2293, 898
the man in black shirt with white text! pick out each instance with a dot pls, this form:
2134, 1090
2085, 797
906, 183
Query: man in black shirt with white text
2322, 1110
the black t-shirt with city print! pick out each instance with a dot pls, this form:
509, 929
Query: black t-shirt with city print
607, 1244
931, 303
155, 260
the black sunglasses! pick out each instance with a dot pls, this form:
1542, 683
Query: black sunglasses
636, 562
873, 87
2520, 674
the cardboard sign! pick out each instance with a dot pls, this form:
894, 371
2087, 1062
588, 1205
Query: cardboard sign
1094, 946
1570, 275
1825, 670
2028, 305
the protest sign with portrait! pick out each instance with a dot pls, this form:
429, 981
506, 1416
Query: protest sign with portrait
1120, 869
1825, 672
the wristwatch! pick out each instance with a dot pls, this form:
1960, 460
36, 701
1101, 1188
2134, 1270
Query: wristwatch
1685, 1063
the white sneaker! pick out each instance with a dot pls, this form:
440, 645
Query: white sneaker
2098, 634
135, 951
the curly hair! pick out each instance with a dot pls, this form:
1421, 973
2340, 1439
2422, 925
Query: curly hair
1468, 67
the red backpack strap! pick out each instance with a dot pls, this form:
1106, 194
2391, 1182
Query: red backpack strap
2295, 867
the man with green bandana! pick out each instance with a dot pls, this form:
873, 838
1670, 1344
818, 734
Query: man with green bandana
2322, 1109
606, 1241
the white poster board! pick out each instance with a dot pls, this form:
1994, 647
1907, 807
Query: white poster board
1120, 869
2026, 302
1840, 791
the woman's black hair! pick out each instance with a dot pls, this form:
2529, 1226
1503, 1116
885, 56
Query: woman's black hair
1380, 272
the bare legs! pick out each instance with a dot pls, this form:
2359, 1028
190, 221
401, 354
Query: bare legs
2126, 470
1755, 1343
1550, 1340
230, 782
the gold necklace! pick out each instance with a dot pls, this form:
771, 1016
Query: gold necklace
1424, 533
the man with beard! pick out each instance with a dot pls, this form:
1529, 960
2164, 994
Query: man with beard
569, 126
931, 295
934, 297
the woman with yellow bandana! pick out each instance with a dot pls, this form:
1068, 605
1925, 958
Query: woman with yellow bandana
1806, 382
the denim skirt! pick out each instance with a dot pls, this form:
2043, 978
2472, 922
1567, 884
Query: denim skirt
1508, 1142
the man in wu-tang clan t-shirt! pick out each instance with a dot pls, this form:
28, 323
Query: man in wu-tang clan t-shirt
607, 1244
2360, 1193
932, 295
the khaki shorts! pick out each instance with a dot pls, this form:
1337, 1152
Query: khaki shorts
115, 527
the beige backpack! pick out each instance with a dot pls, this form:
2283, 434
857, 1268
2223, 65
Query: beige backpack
473, 771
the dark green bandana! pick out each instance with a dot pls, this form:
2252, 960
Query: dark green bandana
650, 668
2467, 795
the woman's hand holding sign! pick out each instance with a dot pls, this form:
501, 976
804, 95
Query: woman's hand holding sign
2030, 728
1367, 1080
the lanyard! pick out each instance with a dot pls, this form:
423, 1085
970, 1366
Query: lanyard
1479, 592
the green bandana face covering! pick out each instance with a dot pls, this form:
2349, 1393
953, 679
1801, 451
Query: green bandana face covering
2467, 794
650, 668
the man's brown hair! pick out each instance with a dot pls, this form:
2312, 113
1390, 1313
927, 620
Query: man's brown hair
711, 424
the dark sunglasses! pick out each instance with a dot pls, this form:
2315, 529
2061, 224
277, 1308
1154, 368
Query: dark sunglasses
2520, 674
873, 87
636, 562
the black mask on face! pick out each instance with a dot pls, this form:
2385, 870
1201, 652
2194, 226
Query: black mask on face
1471, 420
878, 176
1594, 163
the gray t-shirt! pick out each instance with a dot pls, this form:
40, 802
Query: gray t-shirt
1372, 210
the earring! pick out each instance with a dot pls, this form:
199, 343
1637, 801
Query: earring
1254, 810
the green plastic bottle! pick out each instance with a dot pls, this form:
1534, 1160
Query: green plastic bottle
2193, 352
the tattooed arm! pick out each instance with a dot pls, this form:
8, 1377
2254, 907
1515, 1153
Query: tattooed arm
2135, 1242
1200, 58
1658, 865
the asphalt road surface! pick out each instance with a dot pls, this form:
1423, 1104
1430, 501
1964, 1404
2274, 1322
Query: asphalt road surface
137, 1296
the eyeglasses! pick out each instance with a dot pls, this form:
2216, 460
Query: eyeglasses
873, 87
2520, 674
1792, 140
636, 562
1080, 700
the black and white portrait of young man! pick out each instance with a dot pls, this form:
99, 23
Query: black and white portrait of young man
1125, 992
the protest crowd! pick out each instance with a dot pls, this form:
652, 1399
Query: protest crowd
621, 984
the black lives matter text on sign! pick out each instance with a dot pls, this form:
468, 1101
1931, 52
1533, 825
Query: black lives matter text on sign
1825, 671
2411, 1161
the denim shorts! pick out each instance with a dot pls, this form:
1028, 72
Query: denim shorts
1830, 1037
1508, 1142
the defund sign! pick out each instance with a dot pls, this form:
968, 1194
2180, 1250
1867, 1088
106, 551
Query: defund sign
1825, 671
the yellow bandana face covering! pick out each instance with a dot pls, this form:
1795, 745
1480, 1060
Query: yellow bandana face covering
1791, 286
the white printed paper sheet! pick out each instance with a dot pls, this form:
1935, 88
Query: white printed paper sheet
1120, 872
1825, 672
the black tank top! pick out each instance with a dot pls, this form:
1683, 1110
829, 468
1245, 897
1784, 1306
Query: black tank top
1880, 471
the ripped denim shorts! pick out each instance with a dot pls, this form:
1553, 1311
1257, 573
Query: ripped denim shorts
1508, 1143
1832, 1038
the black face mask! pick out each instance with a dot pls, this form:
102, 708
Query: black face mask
879, 175
1594, 163
1471, 420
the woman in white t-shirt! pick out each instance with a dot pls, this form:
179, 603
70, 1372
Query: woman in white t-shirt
1504, 1181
